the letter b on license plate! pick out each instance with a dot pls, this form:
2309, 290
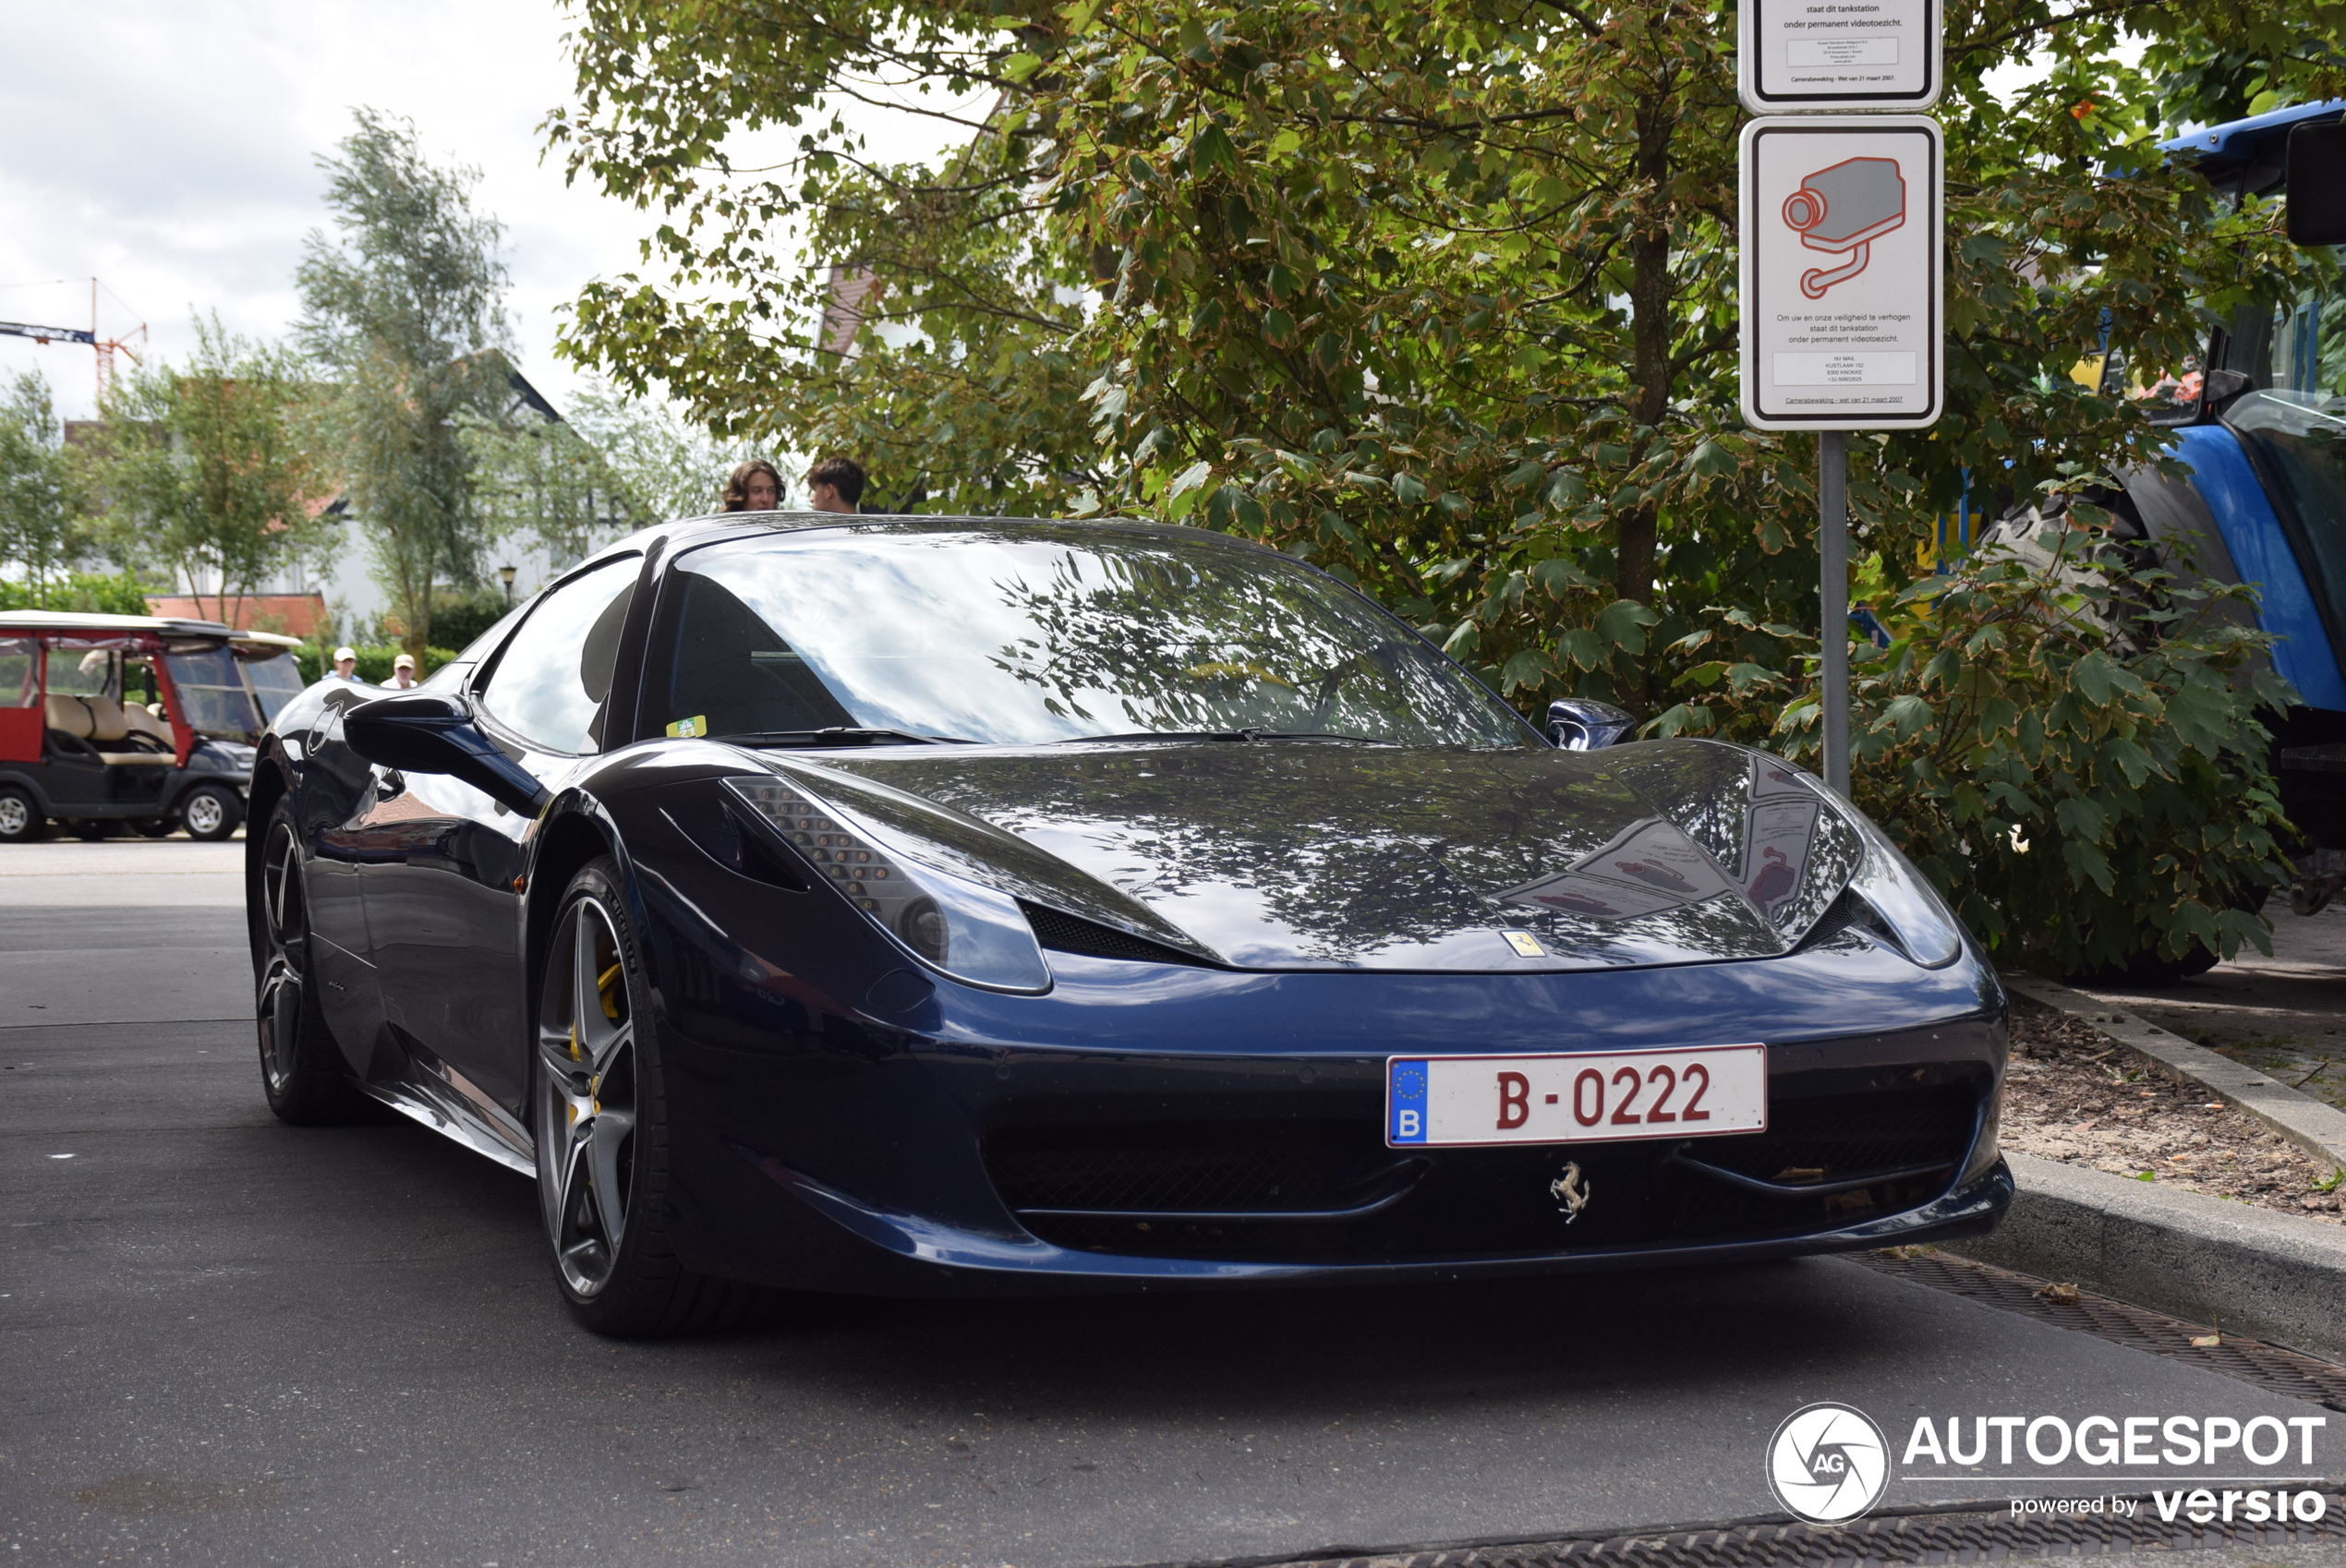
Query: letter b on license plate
1583, 1097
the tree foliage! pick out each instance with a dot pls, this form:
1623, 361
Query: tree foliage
1439, 296
403, 308
44, 530
208, 469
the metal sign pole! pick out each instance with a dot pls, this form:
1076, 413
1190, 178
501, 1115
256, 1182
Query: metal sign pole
1832, 595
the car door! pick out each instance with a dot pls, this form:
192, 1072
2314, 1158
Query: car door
440, 900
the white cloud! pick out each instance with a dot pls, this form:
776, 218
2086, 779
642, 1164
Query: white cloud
168, 149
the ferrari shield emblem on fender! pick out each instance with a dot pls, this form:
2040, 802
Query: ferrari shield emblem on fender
1571, 1192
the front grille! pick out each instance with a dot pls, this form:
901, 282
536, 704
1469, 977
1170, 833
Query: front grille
1847, 1136
1240, 1184
1234, 1167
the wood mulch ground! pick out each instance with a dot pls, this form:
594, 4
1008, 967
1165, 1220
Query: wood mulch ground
2073, 1096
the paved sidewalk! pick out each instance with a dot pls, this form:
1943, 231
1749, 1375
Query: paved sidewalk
2283, 1014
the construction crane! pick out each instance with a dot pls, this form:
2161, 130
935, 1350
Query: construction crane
107, 347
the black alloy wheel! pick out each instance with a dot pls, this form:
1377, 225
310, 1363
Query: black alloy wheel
211, 812
599, 1119
302, 1069
20, 818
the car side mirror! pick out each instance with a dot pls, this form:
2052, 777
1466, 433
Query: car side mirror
433, 732
1583, 724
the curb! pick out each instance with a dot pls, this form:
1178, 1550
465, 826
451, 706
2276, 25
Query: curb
2247, 1270
2312, 1125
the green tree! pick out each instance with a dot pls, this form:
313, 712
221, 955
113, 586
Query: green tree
1439, 296
43, 531
208, 470
402, 309
669, 465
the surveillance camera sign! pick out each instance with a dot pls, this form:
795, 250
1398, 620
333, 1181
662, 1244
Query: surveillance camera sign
1841, 285
1794, 57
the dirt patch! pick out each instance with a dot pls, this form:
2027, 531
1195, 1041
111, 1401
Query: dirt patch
2073, 1096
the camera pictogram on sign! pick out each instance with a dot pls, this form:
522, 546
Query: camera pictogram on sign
1842, 210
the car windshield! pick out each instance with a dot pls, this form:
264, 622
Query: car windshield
1028, 634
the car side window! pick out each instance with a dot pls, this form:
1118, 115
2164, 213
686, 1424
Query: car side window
550, 683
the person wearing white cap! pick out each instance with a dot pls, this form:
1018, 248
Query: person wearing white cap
347, 667
402, 672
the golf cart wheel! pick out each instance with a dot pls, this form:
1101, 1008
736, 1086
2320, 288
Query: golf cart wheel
90, 829
20, 818
153, 827
211, 812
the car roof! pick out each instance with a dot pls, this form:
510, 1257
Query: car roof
75, 620
691, 531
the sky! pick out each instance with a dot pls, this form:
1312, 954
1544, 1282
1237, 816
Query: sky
168, 150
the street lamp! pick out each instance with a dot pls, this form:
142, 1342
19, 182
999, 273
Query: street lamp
505, 575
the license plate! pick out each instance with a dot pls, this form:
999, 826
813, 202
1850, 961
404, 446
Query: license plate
1583, 1097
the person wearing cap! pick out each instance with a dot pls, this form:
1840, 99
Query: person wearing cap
402, 672
347, 667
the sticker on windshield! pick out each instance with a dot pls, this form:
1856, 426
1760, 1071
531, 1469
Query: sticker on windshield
691, 729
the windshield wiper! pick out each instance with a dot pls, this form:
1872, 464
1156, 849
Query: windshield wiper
835, 735
1225, 735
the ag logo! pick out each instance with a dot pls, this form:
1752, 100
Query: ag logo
1828, 1463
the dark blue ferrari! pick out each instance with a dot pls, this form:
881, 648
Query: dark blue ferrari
927, 906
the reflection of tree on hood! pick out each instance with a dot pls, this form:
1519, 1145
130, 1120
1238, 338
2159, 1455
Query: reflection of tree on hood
1353, 849
1178, 643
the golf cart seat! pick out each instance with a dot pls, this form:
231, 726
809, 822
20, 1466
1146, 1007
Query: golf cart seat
101, 721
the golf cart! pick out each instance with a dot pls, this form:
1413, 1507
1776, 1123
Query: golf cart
132, 719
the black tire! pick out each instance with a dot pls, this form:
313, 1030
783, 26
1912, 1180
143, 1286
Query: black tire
20, 818
153, 827
90, 829
211, 812
302, 1071
600, 1115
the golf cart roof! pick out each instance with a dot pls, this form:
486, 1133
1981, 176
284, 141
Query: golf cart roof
66, 623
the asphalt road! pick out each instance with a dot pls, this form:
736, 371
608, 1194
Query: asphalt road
227, 1341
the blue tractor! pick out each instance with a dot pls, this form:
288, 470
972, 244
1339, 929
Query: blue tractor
2261, 427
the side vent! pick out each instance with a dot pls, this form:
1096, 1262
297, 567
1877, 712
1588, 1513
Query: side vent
1064, 932
1850, 912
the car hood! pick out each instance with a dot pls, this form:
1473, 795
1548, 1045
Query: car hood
1320, 855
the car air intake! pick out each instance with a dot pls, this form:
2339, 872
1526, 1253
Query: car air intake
1064, 932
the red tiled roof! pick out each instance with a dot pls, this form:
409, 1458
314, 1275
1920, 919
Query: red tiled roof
296, 615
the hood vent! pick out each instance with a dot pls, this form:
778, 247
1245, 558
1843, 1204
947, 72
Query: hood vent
1062, 932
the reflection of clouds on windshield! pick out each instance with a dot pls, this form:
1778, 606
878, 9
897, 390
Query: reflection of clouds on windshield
1038, 634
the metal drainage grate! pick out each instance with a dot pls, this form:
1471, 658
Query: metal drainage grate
2285, 1372
1967, 1536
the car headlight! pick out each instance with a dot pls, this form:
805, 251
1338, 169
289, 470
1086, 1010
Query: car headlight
970, 932
1923, 925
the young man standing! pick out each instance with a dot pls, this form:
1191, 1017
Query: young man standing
836, 484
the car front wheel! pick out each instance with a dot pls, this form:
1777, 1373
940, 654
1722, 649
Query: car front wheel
602, 1130
20, 818
301, 1068
211, 812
